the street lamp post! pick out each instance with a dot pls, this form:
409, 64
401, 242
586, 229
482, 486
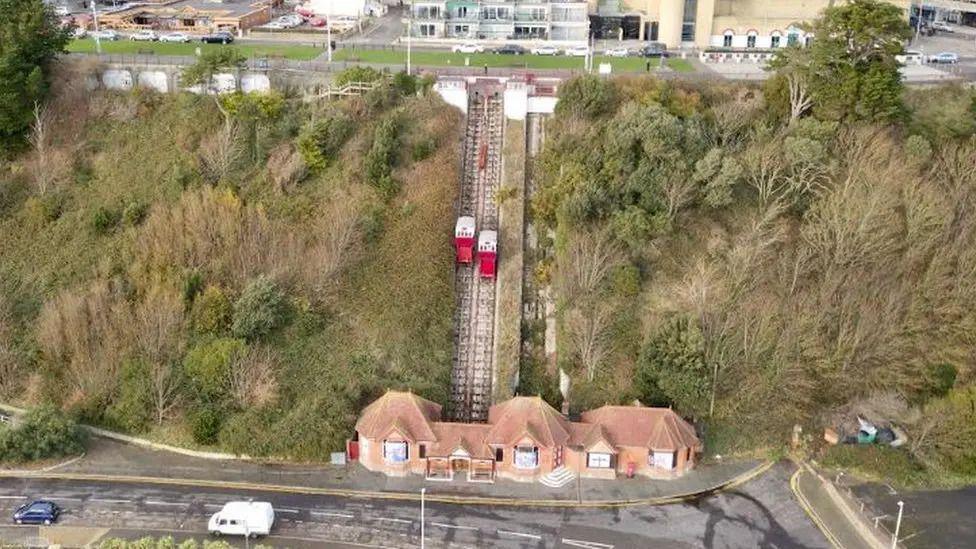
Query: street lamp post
423, 492
98, 40
894, 538
409, 34
328, 31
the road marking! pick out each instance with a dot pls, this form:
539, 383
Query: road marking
213, 505
454, 526
100, 500
401, 521
13, 497
153, 502
519, 534
586, 544
296, 511
64, 499
326, 514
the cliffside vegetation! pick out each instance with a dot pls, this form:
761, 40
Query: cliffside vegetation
245, 273
760, 257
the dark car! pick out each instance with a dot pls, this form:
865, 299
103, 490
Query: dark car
511, 49
39, 512
653, 49
218, 38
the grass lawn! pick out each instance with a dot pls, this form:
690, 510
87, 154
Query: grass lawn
447, 59
289, 51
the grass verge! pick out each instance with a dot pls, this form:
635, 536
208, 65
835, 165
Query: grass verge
448, 59
511, 222
288, 51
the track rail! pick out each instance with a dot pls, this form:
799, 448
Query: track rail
474, 322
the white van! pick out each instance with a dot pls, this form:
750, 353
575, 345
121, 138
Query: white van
243, 518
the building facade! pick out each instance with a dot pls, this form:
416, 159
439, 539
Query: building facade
191, 15
702, 24
524, 439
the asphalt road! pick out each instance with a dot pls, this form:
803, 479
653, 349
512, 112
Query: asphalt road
932, 518
761, 513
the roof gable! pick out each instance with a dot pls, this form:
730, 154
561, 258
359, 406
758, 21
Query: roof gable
408, 413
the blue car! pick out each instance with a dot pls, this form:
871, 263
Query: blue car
39, 512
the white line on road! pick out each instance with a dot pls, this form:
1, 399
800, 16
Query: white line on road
13, 497
63, 499
213, 505
586, 544
455, 526
519, 534
295, 511
153, 502
326, 514
100, 500
402, 521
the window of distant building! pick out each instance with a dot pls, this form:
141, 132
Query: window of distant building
727, 39
688, 21
751, 39
774, 40
526, 457
808, 40
426, 30
598, 460
395, 451
792, 37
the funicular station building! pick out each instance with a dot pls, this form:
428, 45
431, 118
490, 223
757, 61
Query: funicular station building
524, 439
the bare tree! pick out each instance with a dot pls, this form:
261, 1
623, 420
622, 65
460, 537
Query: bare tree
800, 99
159, 323
679, 191
49, 165
220, 153
252, 377
588, 325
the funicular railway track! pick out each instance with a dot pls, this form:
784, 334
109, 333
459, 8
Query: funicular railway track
474, 321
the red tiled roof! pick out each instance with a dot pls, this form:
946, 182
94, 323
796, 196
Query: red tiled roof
408, 413
469, 437
655, 428
532, 416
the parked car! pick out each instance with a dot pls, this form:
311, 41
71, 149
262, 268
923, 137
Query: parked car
653, 49
618, 52
577, 51
942, 26
468, 47
946, 57
144, 36
175, 37
62, 11
511, 49
274, 25
243, 518
545, 50
105, 35
220, 37
911, 57
291, 20
79, 32
38, 512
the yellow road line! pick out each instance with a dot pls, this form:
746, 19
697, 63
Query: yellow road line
401, 496
808, 509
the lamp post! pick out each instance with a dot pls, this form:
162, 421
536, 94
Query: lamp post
423, 492
98, 40
409, 34
894, 538
328, 31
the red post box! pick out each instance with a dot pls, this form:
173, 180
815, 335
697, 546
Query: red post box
631, 469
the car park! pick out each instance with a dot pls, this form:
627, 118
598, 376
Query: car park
242, 518
218, 38
37, 512
577, 51
653, 49
468, 47
144, 36
545, 50
105, 35
617, 52
511, 49
944, 58
175, 37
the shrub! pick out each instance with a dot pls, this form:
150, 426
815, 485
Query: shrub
211, 313
423, 149
321, 139
134, 213
259, 310
207, 367
205, 423
672, 370
132, 408
382, 155
875, 461
104, 219
587, 97
405, 84
44, 433
357, 74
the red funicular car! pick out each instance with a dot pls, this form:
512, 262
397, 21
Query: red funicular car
464, 239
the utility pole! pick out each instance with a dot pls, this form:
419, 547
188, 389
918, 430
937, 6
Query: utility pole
328, 31
894, 538
423, 492
98, 40
409, 34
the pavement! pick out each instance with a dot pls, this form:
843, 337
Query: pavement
931, 518
759, 513
836, 518
110, 458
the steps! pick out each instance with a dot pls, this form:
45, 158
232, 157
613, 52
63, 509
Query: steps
558, 478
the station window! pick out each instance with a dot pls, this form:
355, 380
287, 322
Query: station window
598, 460
394, 451
526, 457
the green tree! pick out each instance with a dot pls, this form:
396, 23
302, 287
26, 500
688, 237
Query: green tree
44, 432
211, 62
259, 310
30, 38
671, 369
211, 311
321, 139
850, 70
383, 154
587, 97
